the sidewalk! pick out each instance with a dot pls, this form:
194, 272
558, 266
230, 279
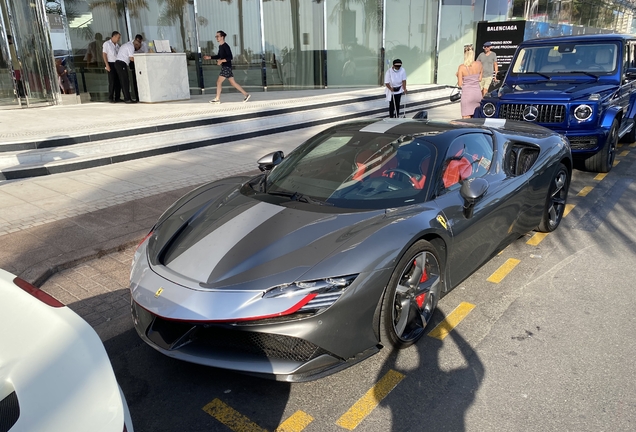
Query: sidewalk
63, 221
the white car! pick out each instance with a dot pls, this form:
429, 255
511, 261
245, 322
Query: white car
55, 374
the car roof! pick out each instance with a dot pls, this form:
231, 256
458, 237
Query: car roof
432, 130
606, 37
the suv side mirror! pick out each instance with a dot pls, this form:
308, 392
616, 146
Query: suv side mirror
630, 73
269, 161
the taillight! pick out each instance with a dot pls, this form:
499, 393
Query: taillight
37, 293
143, 240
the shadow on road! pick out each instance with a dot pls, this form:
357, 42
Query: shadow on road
438, 389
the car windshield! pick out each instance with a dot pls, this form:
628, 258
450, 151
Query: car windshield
358, 170
586, 59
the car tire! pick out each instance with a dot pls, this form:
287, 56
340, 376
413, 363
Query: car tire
555, 201
411, 292
603, 161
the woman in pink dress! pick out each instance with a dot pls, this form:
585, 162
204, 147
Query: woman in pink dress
468, 78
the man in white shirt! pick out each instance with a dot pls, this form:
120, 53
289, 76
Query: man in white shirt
109, 54
124, 57
143, 49
395, 83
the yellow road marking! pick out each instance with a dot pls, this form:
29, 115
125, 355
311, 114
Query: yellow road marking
624, 153
616, 162
296, 423
632, 145
230, 417
619, 145
370, 400
568, 209
600, 176
451, 321
586, 190
536, 238
503, 271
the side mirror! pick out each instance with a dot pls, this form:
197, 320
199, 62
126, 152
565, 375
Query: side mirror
630, 73
269, 161
472, 190
421, 115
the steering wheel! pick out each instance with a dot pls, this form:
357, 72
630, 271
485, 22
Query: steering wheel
402, 172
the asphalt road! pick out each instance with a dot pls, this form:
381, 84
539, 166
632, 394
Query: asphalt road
548, 348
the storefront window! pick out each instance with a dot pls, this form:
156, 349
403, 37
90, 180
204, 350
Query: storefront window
90, 24
241, 21
458, 25
167, 20
294, 43
411, 36
354, 43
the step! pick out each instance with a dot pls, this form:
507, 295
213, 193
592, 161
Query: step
235, 123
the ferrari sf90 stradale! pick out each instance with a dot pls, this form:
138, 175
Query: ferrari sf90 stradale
343, 247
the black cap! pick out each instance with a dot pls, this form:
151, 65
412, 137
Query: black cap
397, 61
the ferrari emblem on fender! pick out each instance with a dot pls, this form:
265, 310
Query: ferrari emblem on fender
442, 221
158, 293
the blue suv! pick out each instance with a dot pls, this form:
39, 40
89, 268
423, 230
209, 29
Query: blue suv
579, 86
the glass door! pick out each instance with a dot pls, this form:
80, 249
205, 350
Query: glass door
33, 67
8, 90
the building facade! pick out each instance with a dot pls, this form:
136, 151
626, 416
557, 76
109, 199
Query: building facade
51, 49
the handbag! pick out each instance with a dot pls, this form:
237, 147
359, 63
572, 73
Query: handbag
456, 94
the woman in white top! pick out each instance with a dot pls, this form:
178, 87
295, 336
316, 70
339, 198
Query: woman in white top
395, 83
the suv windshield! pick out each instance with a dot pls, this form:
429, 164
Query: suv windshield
352, 169
567, 58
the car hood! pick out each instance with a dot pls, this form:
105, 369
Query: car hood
232, 241
556, 91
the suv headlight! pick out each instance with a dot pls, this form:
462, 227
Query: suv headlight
583, 112
488, 109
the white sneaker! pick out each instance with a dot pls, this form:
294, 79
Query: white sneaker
247, 97
215, 101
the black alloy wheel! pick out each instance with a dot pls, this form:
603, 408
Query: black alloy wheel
603, 161
411, 296
556, 200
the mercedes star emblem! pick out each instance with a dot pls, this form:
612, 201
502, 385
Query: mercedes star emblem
530, 113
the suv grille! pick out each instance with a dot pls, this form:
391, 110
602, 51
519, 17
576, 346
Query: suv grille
547, 113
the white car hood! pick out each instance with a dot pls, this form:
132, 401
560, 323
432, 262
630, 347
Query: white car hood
57, 366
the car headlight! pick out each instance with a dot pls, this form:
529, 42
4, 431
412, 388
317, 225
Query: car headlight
489, 109
323, 292
583, 112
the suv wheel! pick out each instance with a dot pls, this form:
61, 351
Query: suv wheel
603, 161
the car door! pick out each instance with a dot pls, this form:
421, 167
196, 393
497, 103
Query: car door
627, 83
477, 236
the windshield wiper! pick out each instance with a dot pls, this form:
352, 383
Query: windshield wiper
538, 73
585, 73
295, 196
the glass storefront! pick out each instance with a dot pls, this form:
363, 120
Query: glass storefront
277, 44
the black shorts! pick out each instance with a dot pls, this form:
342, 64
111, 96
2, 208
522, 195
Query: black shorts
226, 72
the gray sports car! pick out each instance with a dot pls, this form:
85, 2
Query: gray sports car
343, 247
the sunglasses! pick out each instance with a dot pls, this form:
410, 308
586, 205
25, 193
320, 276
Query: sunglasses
397, 66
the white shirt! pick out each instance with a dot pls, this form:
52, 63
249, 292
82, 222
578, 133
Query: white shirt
126, 51
111, 50
394, 79
143, 49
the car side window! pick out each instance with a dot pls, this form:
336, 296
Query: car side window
469, 156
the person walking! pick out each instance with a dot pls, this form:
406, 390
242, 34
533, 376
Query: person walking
469, 76
395, 83
488, 60
124, 57
224, 59
109, 54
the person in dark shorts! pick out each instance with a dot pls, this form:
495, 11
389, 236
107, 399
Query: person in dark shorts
224, 59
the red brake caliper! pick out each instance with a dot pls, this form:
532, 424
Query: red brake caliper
421, 297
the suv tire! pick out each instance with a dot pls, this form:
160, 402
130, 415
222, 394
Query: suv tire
603, 160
